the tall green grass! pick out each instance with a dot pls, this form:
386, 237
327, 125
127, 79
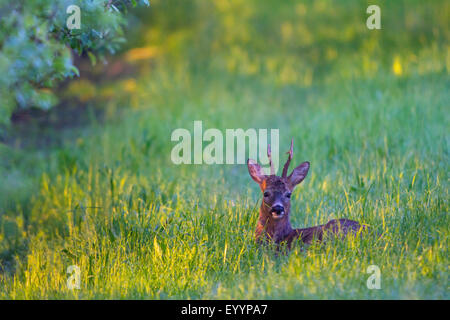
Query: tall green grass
109, 200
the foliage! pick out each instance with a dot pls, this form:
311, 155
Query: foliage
36, 46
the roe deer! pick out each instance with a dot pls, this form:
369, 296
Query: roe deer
273, 223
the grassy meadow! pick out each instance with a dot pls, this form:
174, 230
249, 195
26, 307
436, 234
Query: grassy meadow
368, 108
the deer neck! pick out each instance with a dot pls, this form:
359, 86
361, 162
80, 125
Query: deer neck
277, 230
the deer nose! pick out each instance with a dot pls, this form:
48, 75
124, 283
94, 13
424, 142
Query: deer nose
278, 209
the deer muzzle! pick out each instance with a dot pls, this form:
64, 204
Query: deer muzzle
277, 211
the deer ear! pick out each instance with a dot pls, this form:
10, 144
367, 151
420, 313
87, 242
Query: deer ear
298, 175
255, 171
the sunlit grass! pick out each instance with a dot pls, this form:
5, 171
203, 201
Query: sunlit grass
109, 200
141, 227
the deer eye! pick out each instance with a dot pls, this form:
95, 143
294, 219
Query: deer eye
266, 194
288, 195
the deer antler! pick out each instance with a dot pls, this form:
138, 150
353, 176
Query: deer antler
269, 155
288, 161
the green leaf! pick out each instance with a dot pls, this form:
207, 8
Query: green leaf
75, 70
92, 58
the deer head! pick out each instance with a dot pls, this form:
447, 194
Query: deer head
276, 203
